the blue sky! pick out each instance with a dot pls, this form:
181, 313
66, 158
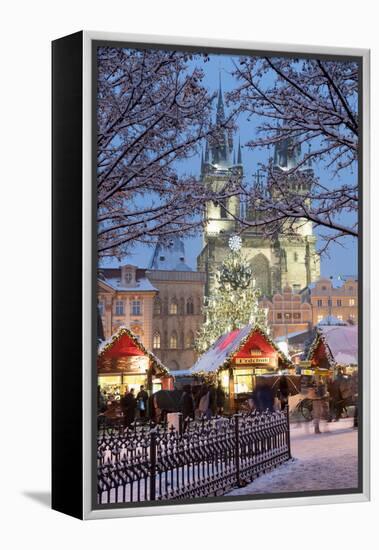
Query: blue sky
341, 260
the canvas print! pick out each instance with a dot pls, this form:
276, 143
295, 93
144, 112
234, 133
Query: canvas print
228, 275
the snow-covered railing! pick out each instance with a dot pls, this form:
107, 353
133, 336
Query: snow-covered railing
209, 458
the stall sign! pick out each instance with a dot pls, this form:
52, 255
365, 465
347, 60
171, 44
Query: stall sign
307, 372
305, 364
252, 360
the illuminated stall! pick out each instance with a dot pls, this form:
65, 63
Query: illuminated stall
237, 358
123, 361
334, 349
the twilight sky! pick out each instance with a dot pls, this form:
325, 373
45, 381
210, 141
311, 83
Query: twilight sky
342, 260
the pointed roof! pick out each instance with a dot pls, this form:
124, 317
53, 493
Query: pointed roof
124, 343
169, 256
340, 344
220, 116
287, 154
220, 355
239, 158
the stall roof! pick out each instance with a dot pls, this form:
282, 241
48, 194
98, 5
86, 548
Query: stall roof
341, 344
221, 353
125, 343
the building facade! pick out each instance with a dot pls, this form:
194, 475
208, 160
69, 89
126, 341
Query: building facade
177, 313
276, 262
126, 298
333, 298
287, 314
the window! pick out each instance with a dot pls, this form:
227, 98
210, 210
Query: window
128, 276
330, 303
296, 316
295, 256
351, 302
323, 288
287, 315
223, 212
101, 308
119, 307
278, 315
156, 340
136, 307
174, 341
174, 307
157, 306
190, 308
339, 303
190, 340
319, 303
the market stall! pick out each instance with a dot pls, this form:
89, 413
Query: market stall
123, 361
237, 358
334, 351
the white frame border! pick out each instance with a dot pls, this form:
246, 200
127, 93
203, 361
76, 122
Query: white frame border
88, 512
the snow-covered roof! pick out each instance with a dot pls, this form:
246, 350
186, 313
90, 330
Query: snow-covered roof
142, 284
341, 343
125, 331
169, 256
226, 347
330, 320
291, 335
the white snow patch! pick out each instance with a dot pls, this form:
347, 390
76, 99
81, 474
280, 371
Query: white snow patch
320, 462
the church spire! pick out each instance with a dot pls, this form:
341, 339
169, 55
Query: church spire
239, 158
220, 117
206, 156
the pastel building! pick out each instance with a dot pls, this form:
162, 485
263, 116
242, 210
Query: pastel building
126, 298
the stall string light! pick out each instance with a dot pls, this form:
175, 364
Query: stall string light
122, 331
227, 361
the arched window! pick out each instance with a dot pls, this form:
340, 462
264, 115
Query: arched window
156, 340
190, 340
174, 340
173, 307
157, 306
190, 308
182, 306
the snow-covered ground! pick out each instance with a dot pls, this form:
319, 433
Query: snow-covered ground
325, 461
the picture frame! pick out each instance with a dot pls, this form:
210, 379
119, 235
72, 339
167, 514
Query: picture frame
75, 267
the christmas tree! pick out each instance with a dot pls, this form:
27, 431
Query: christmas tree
234, 302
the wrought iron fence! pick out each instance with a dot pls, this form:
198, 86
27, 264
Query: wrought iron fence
207, 457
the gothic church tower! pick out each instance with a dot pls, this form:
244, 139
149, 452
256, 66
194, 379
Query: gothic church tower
276, 262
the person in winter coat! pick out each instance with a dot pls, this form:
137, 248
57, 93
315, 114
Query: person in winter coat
263, 397
283, 391
319, 397
128, 406
142, 398
186, 403
203, 408
220, 399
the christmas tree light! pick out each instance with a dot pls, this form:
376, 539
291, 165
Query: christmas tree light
234, 302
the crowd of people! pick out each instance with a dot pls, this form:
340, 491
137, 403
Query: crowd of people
208, 400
